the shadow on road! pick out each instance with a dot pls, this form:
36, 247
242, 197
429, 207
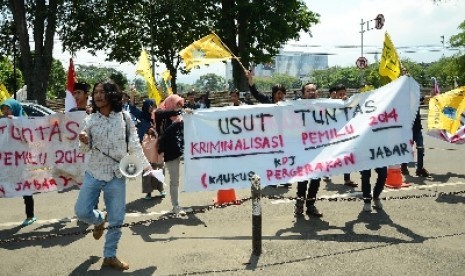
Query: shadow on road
142, 205
451, 199
44, 239
372, 221
163, 227
83, 269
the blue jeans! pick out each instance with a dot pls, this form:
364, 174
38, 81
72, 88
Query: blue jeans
114, 195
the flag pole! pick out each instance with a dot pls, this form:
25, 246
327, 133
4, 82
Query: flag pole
229, 50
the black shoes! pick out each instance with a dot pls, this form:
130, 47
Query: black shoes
422, 173
312, 211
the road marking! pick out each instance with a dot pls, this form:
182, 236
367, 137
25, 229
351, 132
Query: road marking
277, 201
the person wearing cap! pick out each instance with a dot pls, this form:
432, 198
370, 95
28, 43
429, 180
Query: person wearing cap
11, 108
81, 95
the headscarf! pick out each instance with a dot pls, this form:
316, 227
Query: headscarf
15, 106
171, 103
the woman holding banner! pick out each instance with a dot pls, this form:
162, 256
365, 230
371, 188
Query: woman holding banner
12, 108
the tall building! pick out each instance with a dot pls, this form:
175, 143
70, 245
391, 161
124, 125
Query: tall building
293, 63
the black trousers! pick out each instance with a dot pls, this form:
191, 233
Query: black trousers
29, 204
310, 195
379, 186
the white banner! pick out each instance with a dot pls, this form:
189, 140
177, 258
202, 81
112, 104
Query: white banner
40, 154
298, 140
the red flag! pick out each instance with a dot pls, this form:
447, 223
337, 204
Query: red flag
70, 102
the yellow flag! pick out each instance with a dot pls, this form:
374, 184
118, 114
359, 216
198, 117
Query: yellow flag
167, 78
389, 66
144, 69
208, 49
446, 111
4, 93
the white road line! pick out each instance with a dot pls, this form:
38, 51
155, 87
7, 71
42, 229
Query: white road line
277, 201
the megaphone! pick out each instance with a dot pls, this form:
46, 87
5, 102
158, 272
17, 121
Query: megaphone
130, 166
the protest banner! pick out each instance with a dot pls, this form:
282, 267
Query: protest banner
298, 140
40, 154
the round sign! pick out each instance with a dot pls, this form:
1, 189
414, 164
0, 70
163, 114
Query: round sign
362, 63
379, 21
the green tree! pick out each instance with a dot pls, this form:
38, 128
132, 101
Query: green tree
210, 82
458, 40
7, 75
57, 82
265, 83
39, 18
256, 30
92, 74
163, 27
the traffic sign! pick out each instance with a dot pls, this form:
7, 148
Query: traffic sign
379, 21
362, 63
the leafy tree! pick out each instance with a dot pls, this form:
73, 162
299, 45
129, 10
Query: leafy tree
265, 83
40, 18
7, 75
458, 40
92, 74
57, 82
164, 27
210, 82
256, 30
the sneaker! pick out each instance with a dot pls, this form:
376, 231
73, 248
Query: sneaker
178, 211
148, 197
163, 194
367, 207
115, 263
327, 179
98, 229
28, 221
313, 211
377, 204
423, 173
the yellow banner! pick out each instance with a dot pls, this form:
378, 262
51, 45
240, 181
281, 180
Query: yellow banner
145, 70
389, 66
167, 78
446, 110
208, 49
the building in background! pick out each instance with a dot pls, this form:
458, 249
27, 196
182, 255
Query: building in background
298, 64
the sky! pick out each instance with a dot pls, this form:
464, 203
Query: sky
415, 28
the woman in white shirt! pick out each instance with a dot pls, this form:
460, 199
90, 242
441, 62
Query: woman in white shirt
107, 136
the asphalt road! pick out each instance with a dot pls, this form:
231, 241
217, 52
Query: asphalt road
421, 231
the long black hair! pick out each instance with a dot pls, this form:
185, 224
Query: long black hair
112, 93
